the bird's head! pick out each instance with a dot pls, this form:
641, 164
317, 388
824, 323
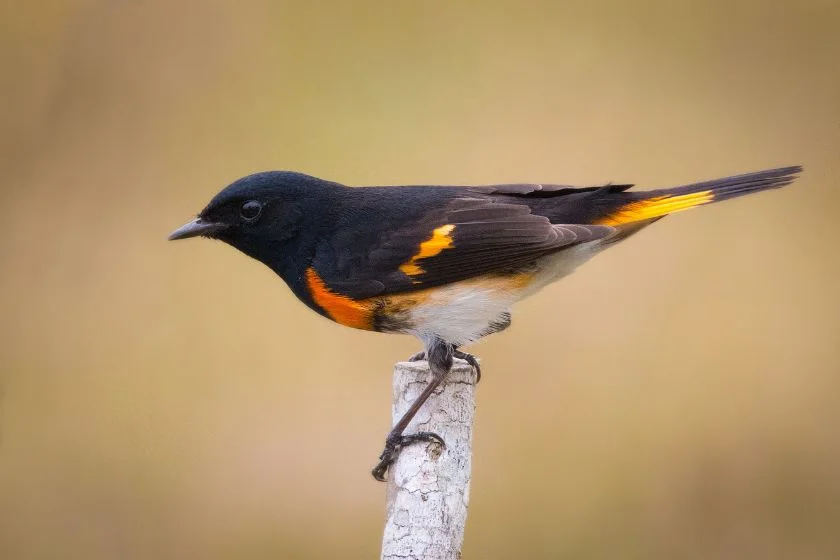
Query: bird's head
258, 213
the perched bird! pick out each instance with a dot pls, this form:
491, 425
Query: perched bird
442, 263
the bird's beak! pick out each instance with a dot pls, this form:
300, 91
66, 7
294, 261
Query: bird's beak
195, 228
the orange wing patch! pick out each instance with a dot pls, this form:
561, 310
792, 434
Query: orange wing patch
441, 239
655, 208
341, 309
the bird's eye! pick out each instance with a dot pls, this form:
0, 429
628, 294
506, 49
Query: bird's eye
250, 210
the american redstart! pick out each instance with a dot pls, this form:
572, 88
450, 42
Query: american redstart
443, 263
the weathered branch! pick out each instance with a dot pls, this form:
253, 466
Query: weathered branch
429, 487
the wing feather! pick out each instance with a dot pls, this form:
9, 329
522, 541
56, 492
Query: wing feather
468, 237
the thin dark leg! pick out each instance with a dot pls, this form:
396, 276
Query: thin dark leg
440, 362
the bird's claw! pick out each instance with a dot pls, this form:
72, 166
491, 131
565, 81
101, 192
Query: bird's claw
469, 358
472, 360
394, 444
418, 357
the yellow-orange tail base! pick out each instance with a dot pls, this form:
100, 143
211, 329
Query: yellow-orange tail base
658, 203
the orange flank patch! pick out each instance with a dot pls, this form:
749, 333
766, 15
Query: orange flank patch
441, 239
442, 295
460, 309
520, 281
655, 208
341, 309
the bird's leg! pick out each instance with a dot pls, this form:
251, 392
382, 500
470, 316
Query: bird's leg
469, 358
440, 362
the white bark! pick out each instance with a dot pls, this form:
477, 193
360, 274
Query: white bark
429, 487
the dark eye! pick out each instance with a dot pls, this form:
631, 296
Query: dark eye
250, 210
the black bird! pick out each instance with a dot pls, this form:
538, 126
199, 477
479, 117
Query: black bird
443, 263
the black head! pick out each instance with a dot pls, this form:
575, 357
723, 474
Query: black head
258, 213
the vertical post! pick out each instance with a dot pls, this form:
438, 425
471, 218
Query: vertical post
429, 487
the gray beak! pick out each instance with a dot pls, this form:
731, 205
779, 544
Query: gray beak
194, 229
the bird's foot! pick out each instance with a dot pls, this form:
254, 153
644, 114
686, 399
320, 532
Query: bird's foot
394, 444
418, 357
469, 358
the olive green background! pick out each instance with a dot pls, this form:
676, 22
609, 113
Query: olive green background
676, 398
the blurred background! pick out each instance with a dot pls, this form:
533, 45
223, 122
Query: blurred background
676, 398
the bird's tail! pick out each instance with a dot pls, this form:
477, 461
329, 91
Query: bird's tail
652, 205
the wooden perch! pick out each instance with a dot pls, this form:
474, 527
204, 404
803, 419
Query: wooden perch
429, 487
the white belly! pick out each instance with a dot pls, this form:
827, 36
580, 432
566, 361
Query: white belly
460, 313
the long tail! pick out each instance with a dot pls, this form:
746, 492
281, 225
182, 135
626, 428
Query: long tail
656, 204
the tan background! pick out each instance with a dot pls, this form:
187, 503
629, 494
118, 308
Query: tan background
676, 398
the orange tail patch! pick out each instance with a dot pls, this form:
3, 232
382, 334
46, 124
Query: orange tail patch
341, 309
655, 208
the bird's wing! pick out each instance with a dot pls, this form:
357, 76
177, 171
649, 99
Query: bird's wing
468, 237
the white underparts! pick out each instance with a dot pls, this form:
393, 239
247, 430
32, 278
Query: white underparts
460, 313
